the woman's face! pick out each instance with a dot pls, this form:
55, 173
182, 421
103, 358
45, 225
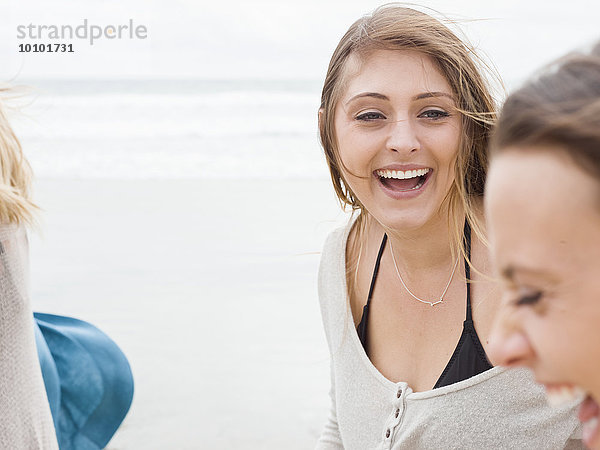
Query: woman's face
398, 135
543, 215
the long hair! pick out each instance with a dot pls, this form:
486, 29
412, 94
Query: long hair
394, 27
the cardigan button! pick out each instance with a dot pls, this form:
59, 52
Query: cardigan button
399, 392
397, 413
387, 433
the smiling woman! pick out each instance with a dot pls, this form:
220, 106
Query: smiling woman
544, 213
404, 122
416, 114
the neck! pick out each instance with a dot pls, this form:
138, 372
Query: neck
427, 247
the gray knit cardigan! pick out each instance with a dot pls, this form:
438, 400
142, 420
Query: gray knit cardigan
497, 409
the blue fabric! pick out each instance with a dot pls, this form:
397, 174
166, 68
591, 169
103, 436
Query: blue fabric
88, 381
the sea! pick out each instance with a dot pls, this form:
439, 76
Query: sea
169, 129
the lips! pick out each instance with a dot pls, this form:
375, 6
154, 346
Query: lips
395, 180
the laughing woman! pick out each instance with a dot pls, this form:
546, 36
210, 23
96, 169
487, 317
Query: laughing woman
543, 207
407, 309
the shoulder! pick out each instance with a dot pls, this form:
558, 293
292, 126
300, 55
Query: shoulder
528, 402
12, 231
499, 408
332, 277
333, 255
335, 243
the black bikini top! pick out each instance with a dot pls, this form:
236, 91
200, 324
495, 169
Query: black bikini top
469, 358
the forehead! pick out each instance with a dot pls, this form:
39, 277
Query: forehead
393, 70
541, 209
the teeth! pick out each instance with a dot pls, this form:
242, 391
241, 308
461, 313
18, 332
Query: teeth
402, 175
558, 396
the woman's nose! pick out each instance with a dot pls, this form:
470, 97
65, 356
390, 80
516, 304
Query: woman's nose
509, 346
402, 137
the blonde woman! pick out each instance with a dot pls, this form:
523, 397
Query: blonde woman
85, 386
26, 420
406, 302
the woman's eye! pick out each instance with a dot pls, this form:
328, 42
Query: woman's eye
528, 299
434, 114
368, 116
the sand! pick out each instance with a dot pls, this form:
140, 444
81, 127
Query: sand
209, 287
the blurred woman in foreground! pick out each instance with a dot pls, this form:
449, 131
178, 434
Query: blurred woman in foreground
543, 215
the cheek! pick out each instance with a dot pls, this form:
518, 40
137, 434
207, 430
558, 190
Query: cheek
542, 336
356, 152
445, 147
582, 331
556, 339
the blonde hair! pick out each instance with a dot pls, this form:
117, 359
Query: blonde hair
394, 27
15, 173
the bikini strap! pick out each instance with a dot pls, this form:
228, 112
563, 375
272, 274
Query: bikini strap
467, 244
376, 269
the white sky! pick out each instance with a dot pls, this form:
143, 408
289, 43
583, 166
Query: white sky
272, 39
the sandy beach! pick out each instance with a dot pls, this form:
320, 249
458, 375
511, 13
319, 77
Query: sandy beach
209, 287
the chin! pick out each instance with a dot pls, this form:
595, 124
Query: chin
401, 222
408, 220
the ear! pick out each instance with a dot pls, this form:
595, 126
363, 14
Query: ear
321, 116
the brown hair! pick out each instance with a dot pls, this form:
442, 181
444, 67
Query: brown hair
559, 108
393, 27
15, 172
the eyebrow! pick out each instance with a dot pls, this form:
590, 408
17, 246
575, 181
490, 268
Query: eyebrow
368, 94
433, 94
510, 271
416, 97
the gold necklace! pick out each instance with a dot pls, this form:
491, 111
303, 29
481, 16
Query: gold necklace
441, 300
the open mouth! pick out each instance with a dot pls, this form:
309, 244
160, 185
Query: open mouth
402, 181
559, 395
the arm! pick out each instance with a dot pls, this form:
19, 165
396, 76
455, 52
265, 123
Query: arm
330, 437
329, 281
26, 422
